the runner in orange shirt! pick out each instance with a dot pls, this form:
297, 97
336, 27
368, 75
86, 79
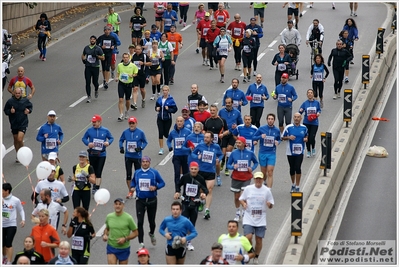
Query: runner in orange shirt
176, 40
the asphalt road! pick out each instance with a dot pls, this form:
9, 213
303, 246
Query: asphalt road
60, 85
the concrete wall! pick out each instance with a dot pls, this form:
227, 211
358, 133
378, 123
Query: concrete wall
320, 202
18, 17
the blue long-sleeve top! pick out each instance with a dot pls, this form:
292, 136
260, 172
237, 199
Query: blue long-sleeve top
54, 132
178, 136
310, 107
247, 132
189, 123
237, 95
118, 43
267, 145
257, 91
168, 20
164, 114
143, 179
179, 226
232, 116
242, 155
352, 32
134, 139
195, 139
155, 35
283, 92
97, 136
209, 153
258, 29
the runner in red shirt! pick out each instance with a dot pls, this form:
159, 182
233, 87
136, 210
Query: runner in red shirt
21, 81
237, 30
221, 16
209, 38
202, 114
202, 29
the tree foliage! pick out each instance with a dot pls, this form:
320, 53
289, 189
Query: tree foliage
31, 5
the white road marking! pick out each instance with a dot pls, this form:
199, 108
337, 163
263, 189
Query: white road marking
272, 43
11, 148
185, 28
167, 158
78, 101
100, 231
260, 56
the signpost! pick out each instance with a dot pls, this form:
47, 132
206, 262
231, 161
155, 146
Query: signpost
365, 70
347, 106
296, 215
326, 146
379, 47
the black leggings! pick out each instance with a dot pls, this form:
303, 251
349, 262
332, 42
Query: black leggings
98, 164
247, 60
165, 71
163, 128
338, 78
211, 57
183, 12
318, 87
237, 53
141, 207
91, 75
312, 130
41, 42
190, 213
179, 162
79, 196
255, 55
79, 256
256, 114
284, 113
106, 63
129, 163
295, 163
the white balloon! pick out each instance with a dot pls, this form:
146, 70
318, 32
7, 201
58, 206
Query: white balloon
43, 170
3, 151
25, 155
102, 196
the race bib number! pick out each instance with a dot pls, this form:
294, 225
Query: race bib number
168, 22
220, 18
81, 178
215, 138
237, 31
223, 49
191, 190
51, 143
230, 257
268, 141
296, 149
98, 144
256, 98
205, 31
318, 76
249, 144
193, 104
144, 184
281, 67
91, 59
242, 165
173, 44
179, 141
137, 63
136, 27
77, 243
282, 98
311, 110
236, 103
155, 61
6, 215
107, 44
160, 7
247, 49
124, 77
256, 212
207, 156
131, 146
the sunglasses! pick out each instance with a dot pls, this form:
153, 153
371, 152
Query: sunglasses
132, 123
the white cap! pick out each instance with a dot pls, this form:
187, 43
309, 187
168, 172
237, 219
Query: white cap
51, 112
52, 167
52, 155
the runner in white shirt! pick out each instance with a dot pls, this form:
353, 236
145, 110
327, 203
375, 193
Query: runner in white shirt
255, 199
11, 205
54, 209
58, 191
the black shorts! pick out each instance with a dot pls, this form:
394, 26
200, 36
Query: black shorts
137, 34
179, 253
208, 176
213, 6
106, 63
125, 89
293, 11
203, 43
139, 81
158, 19
220, 57
228, 140
259, 12
15, 131
155, 72
8, 236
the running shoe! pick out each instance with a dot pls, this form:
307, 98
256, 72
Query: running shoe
207, 215
300, 15
96, 94
159, 94
256, 261
255, 73
147, 80
314, 152
93, 191
354, 14
222, 79
112, 74
201, 207
335, 96
210, 68
41, 55
292, 188
352, 62
190, 247
143, 103
237, 217
171, 81
152, 97
129, 195
153, 239
339, 95
226, 172
218, 180
222, 164
207, 62
308, 154
160, 151
204, 62
321, 104
16, 160
297, 189
239, 68
181, 21
261, 25
134, 106
346, 80
249, 78
141, 246
244, 80
236, 67
120, 118
197, 50
43, 59
105, 86
184, 24
127, 114
88, 99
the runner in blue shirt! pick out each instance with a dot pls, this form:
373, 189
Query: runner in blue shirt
236, 94
247, 130
258, 94
169, 18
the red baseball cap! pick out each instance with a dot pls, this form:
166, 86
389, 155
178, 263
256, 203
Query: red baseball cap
143, 251
96, 117
132, 119
242, 139
285, 76
193, 164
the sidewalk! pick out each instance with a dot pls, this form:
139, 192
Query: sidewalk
25, 43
